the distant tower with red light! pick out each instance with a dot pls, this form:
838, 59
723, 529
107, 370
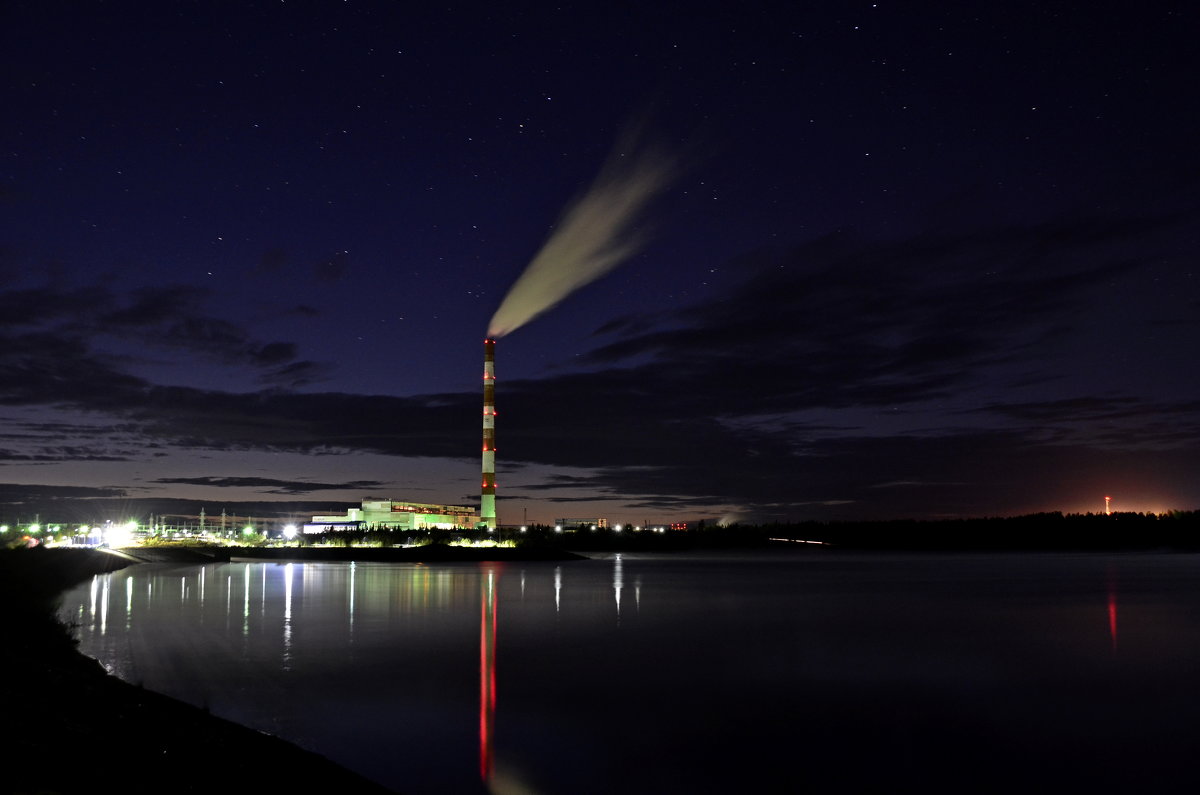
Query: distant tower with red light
1107, 509
487, 500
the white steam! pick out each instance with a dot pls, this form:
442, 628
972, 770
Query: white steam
594, 235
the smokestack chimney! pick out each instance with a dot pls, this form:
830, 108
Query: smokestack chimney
487, 501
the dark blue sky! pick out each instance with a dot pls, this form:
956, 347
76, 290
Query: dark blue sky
920, 261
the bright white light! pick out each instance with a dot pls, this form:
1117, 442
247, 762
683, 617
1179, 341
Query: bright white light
617, 528
522, 528
33, 528
247, 530
289, 531
593, 527
558, 528
118, 535
3, 528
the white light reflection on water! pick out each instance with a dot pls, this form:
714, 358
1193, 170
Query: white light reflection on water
104, 606
288, 570
823, 672
618, 581
245, 599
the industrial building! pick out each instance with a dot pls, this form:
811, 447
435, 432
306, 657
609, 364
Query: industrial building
396, 515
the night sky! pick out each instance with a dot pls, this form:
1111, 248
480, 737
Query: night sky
912, 260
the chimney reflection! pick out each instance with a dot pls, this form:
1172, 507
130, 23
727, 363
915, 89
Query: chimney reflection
487, 671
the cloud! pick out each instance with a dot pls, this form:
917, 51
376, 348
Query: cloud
57, 339
843, 377
272, 485
150, 306
59, 454
16, 494
296, 374
745, 398
1128, 422
845, 322
274, 353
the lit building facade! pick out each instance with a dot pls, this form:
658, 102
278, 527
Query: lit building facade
397, 515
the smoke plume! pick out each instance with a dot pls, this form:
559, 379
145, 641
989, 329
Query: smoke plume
594, 235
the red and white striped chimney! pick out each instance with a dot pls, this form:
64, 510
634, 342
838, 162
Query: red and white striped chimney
487, 500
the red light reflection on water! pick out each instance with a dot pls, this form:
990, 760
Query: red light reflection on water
1112, 612
487, 671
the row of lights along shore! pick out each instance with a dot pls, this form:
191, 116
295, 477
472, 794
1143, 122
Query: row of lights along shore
618, 528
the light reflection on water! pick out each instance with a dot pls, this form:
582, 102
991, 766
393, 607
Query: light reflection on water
757, 673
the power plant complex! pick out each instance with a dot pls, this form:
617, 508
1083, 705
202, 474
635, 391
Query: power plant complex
404, 515
596, 234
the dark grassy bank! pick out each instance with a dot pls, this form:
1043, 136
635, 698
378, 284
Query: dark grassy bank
72, 728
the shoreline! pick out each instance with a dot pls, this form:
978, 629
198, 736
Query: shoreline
75, 727
82, 726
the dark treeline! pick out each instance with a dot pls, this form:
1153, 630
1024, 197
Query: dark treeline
1175, 530
1178, 530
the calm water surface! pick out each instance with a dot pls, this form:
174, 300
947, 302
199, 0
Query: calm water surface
703, 673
